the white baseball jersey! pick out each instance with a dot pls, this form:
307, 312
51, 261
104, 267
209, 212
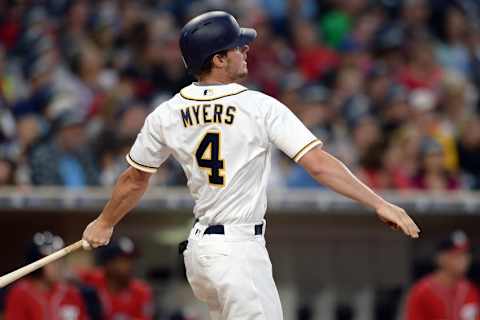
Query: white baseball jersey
222, 136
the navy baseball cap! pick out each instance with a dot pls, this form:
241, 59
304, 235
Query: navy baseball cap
42, 245
121, 247
457, 241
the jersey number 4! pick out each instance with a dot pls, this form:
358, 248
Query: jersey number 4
208, 157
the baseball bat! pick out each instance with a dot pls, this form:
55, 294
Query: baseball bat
19, 273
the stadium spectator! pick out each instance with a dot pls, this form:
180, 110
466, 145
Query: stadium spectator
348, 98
7, 126
365, 26
312, 108
397, 175
90, 79
394, 110
122, 295
455, 102
408, 140
366, 135
28, 132
432, 173
415, 16
381, 168
337, 22
7, 172
428, 120
446, 293
64, 158
269, 58
44, 294
422, 70
388, 47
313, 59
468, 146
10, 84
74, 35
454, 53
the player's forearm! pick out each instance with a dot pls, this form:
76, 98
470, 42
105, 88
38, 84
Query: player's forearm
128, 191
331, 172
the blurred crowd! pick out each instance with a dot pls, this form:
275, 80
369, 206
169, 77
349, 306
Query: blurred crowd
391, 87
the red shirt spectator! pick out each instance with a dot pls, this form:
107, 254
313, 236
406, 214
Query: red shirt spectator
446, 294
422, 71
29, 300
132, 302
412, 79
433, 174
44, 295
429, 300
314, 60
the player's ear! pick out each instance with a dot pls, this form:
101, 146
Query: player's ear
219, 60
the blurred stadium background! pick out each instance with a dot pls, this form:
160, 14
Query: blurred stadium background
390, 86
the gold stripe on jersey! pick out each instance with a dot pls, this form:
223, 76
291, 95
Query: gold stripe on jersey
305, 149
140, 166
182, 94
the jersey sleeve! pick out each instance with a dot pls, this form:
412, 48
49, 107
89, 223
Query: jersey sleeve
287, 132
149, 150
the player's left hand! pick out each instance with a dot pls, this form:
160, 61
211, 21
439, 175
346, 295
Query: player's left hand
397, 218
96, 234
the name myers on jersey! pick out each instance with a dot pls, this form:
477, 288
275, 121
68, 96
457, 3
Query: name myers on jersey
202, 114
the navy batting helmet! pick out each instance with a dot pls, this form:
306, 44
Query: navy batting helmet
210, 33
43, 244
121, 247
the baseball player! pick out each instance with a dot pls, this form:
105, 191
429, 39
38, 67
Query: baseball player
44, 295
122, 296
222, 134
446, 293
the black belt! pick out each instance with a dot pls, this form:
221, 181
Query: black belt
216, 229
220, 229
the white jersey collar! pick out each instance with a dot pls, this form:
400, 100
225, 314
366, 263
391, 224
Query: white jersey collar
198, 92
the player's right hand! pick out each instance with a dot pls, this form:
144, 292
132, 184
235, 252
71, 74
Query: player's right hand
96, 234
397, 218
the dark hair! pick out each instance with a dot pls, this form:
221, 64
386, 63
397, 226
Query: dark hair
208, 64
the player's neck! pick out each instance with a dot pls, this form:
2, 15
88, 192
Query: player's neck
115, 283
445, 279
214, 79
41, 284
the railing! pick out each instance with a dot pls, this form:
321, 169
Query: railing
285, 200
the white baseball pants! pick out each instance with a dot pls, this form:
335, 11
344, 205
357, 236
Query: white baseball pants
232, 273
